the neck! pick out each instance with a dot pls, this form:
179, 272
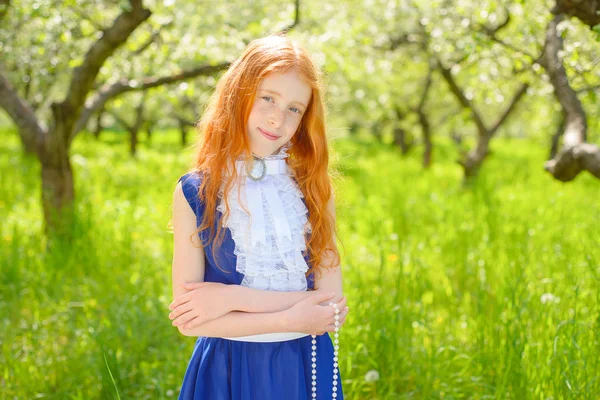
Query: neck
259, 155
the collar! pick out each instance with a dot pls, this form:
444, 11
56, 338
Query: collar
273, 164
271, 167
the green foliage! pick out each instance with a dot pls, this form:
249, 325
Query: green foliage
491, 291
41, 41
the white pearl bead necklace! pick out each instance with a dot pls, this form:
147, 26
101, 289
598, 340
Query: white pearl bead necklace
335, 357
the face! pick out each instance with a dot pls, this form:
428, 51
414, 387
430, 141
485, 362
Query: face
281, 100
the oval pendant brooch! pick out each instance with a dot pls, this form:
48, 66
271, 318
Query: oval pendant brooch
257, 170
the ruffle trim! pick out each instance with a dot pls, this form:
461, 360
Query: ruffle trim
277, 264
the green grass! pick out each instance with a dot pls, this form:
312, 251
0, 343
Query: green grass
484, 292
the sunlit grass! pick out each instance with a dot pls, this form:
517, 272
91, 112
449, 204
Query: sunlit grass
488, 291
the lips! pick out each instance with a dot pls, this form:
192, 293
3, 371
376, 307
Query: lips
268, 135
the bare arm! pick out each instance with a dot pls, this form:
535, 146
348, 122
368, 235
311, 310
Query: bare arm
255, 300
306, 316
188, 253
331, 278
236, 323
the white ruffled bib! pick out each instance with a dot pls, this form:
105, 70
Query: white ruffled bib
270, 240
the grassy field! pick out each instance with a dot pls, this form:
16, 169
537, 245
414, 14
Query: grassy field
484, 292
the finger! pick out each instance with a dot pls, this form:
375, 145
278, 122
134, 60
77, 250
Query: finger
183, 319
343, 316
194, 322
323, 297
345, 311
192, 285
180, 310
331, 327
179, 300
342, 303
340, 306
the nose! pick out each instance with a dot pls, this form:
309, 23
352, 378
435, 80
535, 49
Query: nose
276, 118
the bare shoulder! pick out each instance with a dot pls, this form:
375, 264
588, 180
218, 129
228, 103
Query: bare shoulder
178, 192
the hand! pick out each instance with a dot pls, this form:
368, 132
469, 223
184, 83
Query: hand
200, 304
308, 316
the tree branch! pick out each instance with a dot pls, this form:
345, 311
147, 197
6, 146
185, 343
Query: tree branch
425, 94
184, 121
121, 121
405, 39
296, 18
518, 95
492, 33
588, 89
575, 119
84, 75
153, 38
493, 30
533, 58
111, 91
21, 113
466, 103
84, 16
139, 117
587, 11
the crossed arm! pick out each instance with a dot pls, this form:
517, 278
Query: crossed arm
239, 311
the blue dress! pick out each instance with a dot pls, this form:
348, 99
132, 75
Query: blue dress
222, 369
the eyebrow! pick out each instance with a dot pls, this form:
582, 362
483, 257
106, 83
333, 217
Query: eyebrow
279, 94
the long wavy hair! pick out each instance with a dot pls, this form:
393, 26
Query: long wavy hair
223, 138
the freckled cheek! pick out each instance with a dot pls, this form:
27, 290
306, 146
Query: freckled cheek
291, 125
258, 114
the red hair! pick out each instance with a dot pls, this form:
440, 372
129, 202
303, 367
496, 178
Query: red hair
223, 139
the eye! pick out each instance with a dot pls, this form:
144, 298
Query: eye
269, 99
295, 110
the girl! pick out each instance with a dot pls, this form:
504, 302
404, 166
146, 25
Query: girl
256, 274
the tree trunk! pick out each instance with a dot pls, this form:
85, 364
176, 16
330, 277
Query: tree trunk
57, 186
471, 163
426, 128
183, 130
427, 152
377, 129
556, 138
137, 125
576, 155
570, 161
53, 144
474, 159
99, 127
424, 120
133, 141
353, 129
401, 140
28, 143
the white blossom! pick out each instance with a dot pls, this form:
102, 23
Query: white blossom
372, 376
